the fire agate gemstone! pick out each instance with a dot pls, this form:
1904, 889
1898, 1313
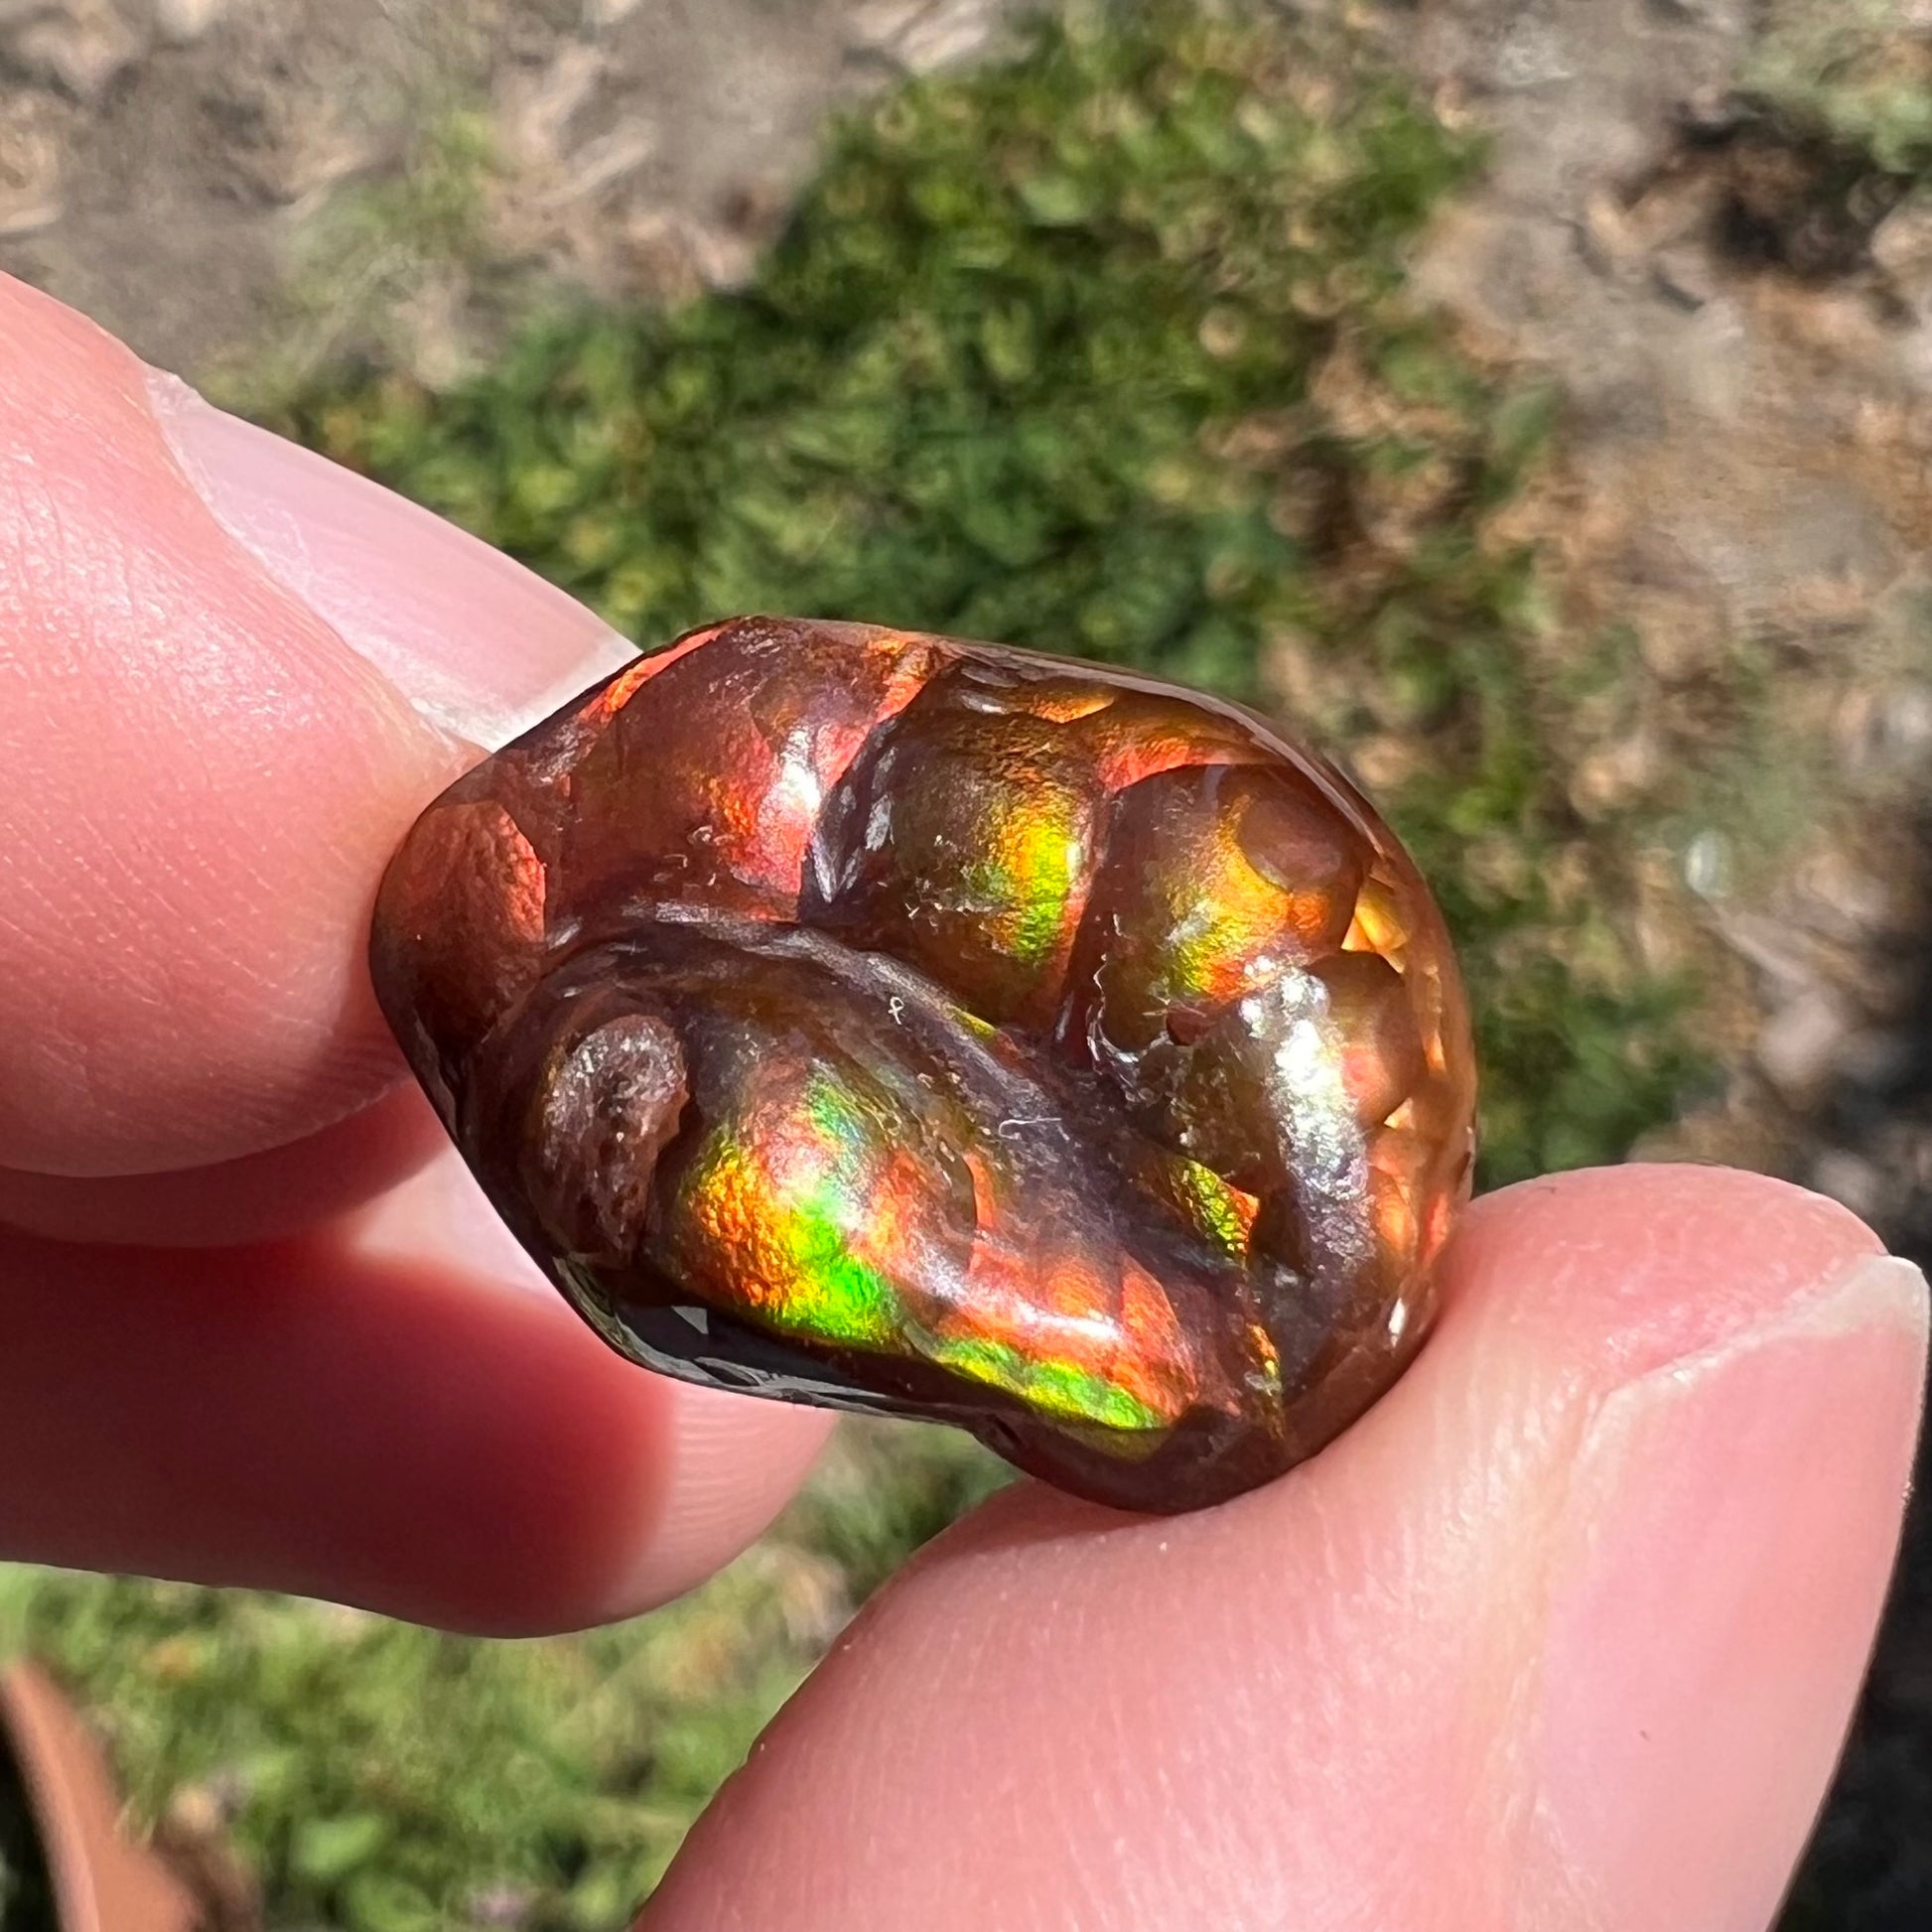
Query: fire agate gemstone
876, 1020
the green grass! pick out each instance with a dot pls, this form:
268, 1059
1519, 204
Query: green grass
1106, 350
1853, 70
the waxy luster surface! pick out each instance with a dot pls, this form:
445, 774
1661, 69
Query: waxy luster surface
873, 1019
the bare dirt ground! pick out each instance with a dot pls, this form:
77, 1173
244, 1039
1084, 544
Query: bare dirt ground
1747, 356
1740, 323
188, 171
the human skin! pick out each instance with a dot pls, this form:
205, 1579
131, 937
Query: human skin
1563, 1634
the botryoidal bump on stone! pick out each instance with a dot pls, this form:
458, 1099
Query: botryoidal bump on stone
881, 1021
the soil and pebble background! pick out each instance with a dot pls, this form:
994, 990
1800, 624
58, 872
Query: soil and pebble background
1531, 398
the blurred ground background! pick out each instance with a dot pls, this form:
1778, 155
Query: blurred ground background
1532, 398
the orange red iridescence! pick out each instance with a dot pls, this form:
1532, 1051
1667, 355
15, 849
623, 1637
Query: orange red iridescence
881, 1020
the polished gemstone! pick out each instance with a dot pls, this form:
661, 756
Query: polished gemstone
871, 1019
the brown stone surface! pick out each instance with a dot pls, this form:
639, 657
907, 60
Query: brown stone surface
919, 1026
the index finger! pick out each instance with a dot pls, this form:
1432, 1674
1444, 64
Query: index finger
230, 673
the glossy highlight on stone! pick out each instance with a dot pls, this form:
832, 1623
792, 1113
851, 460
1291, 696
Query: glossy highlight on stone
876, 1020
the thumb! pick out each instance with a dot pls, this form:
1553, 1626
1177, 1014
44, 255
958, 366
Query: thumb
1565, 1632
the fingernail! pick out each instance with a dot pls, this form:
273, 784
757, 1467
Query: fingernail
1731, 1516
480, 645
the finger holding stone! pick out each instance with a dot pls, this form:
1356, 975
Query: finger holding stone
1564, 1631
230, 673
